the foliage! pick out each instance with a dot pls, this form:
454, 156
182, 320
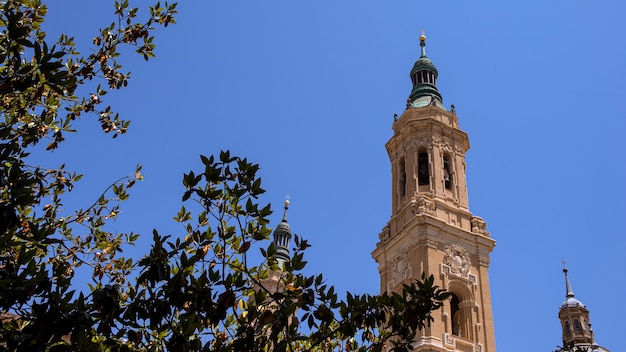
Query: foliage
201, 292
196, 291
44, 89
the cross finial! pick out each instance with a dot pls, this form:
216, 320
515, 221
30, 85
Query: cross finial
563, 261
423, 42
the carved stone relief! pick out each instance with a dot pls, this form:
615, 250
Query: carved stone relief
473, 280
424, 205
400, 266
479, 226
457, 258
445, 147
384, 234
424, 142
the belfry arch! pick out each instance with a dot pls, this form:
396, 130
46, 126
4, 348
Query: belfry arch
461, 306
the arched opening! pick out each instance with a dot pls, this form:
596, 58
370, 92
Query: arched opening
423, 173
461, 307
566, 329
402, 178
447, 171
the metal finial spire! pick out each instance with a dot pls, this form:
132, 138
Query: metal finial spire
423, 42
286, 207
568, 287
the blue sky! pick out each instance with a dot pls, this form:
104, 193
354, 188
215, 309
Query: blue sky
308, 90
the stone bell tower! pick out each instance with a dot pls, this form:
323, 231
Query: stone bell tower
431, 229
575, 323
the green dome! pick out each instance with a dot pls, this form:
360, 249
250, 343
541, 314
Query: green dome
424, 78
424, 63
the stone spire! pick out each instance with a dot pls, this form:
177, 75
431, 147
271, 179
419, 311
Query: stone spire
282, 238
568, 287
570, 300
424, 79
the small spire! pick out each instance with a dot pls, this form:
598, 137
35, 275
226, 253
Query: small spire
286, 208
568, 287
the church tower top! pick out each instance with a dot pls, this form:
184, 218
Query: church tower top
424, 78
575, 323
282, 237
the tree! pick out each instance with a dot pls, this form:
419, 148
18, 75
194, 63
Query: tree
194, 292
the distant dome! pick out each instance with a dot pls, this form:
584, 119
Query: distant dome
572, 302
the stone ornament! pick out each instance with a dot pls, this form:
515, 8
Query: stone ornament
385, 234
479, 226
424, 205
446, 148
457, 259
400, 268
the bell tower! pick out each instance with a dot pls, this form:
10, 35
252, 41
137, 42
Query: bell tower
431, 229
575, 323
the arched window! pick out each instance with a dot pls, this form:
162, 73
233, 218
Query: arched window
577, 327
567, 329
461, 311
402, 178
447, 171
423, 175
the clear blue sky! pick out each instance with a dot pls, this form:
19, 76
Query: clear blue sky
309, 89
